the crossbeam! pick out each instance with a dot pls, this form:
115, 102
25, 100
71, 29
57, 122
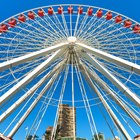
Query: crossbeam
111, 58
32, 106
29, 92
125, 90
30, 76
27, 57
107, 107
105, 87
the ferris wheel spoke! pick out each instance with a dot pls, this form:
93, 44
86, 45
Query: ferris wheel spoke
70, 24
107, 107
30, 92
49, 96
65, 23
45, 33
95, 23
73, 95
22, 68
55, 25
125, 90
21, 29
121, 40
60, 101
119, 100
107, 28
26, 29
79, 30
29, 110
127, 123
20, 36
37, 35
86, 102
113, 95
90, 23
40, 25
121, 76
59, 23
111, 58
21, 40
96, 27
55, 33
8, 84
76, 25
106, 36
27, 57
36, 30
122, 30
107, 89
29, 77
48, 24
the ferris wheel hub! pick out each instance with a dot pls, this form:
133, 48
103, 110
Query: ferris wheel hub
72, 39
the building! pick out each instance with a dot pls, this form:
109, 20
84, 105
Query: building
30, 137
66, 121
100, 135
48, 133
116, 138
71, 138
137, 137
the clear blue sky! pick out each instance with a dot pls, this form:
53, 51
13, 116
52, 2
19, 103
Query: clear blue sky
130, 8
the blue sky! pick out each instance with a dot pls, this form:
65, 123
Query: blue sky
9, 8
126, 7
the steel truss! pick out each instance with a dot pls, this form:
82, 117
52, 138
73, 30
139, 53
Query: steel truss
45, 54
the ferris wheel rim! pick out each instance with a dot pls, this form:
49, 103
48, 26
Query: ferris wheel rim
102, 64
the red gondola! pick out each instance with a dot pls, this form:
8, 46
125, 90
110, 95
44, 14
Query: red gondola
21, 18
40, 12
31, 15
3, 28
109, 16
80, 10
137, 137
100, 13
90, 11
136, 28
12, 22
50, 11
60, 10
127, 23
70, 10
118, 19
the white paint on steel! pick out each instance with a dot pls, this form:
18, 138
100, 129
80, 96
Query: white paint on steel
105, 87
73, 96
107, 107
29, 110
28, 93
29, 77
30, 56
71, 39
125, 90
111, 58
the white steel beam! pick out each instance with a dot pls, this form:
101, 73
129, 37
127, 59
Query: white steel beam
105, 87
29, 110
125, 90
3, 137
29, 92
30, 56
30, 76
111, 58
107, 107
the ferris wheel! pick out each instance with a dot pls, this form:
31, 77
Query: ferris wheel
84, 56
